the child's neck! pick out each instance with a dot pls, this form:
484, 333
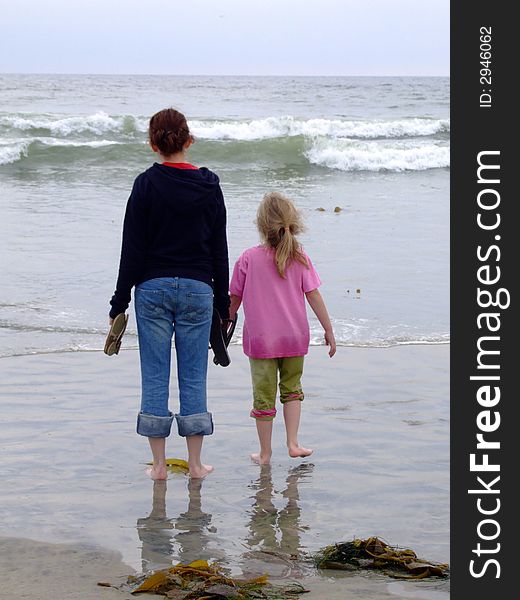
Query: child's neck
178, 157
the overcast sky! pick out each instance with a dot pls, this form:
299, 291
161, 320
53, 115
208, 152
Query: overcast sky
226, 37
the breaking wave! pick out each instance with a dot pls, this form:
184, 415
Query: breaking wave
255, 129
98, 124
274, 127
349, 155
348, 145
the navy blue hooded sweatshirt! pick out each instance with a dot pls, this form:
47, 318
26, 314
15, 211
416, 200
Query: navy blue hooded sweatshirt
174, 226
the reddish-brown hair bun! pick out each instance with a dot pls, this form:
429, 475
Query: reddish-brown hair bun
168, 131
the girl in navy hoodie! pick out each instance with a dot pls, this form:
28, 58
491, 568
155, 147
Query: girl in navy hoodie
174, 251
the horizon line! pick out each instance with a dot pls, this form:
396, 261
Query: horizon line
214, 75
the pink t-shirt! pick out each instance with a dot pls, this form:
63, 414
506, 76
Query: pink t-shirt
275, 316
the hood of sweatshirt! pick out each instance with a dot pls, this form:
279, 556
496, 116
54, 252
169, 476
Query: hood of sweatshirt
164, 178
185, 191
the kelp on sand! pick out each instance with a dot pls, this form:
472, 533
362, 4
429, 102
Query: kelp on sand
374, 553
202, 581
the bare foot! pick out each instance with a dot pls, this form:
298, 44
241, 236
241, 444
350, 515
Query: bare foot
299, 452
261, 459
200, 472
157, 473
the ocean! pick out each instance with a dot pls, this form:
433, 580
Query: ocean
366, 159
367, 162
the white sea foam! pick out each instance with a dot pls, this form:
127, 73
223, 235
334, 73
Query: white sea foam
256, 129
97, 124
275, 127
360, 333
352, 155
11, 152
47, 337
72, 144
318, 341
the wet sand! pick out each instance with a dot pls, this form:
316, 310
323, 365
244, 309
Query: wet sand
73, 475
37, 570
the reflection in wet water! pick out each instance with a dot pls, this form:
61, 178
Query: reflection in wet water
155, 531
273, 540
192, 527
274, 534
168, 541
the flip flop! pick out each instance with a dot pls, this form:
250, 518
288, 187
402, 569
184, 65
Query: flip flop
220, 336
113, 341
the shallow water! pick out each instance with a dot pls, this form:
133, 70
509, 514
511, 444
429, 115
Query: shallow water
73, 467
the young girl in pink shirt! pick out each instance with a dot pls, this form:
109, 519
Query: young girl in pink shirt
272, 281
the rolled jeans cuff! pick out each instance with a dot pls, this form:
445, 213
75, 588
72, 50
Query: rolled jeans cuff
197, 424
154, 426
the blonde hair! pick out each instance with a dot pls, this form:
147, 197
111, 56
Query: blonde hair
279, 222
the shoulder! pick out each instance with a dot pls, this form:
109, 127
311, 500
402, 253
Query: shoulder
304, 252
248, 254
142, 181
207, 178
306, 256
212, 181
258, 252
139, 193
209, 175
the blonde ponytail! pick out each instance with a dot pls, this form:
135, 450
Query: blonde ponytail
279, 223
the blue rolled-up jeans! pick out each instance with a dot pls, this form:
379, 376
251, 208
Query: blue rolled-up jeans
183, 308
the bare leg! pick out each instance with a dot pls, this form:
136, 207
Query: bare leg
158, 447
197, 469
265, 432
291, 415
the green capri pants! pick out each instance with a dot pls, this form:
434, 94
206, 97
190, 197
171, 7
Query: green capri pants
264, 374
